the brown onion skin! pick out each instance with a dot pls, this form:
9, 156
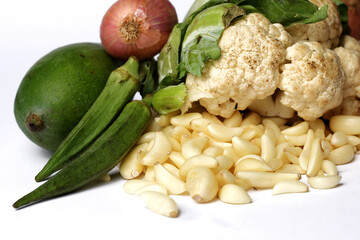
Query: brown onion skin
154, 20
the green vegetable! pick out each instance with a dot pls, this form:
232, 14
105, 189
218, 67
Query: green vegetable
148, 77
169, 99
200, 5
200, 42
288, 12
59, 89
120, 88
169, 58
97, 160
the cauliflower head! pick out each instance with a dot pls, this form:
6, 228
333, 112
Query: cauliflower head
252, 50
349, 54
312, 80
326, 32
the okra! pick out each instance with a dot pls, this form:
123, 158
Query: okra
99, 158
119, 90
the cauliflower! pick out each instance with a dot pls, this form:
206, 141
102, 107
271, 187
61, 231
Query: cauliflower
326, 32
351, 43
312, 80
271, 107
349, 54
252, 50
349, 106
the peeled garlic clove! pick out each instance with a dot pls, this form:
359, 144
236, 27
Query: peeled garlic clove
146, 138
171, 182
171, 168
265, 179
234, 121
194, 146
225, 177
180, 133
184, 119
339, 139
160, 150
200, 124
298, 140
252, 164
159, 203
289, 186
315, 159
197, 160
224, 163
131, 186
353, 140
291, 168
234, 194
201, 184
213, 151
298, 129
346, 124
154, 187
268, 151
177, 158
243, 147
329, 167
223, 133
324, 182
131, 166
341, 155
164, 120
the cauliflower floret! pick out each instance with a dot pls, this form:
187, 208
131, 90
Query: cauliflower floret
327, 32
252, 50
312, 80
351, 43
271, 107
350, 62
349, 54
349, 106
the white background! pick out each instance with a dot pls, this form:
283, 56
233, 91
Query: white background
29, 30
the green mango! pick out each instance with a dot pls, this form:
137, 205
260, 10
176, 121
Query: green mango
59, 89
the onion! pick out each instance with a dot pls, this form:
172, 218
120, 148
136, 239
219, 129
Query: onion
138, 28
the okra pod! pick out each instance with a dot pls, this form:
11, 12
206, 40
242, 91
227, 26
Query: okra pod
119, 90
99, 158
